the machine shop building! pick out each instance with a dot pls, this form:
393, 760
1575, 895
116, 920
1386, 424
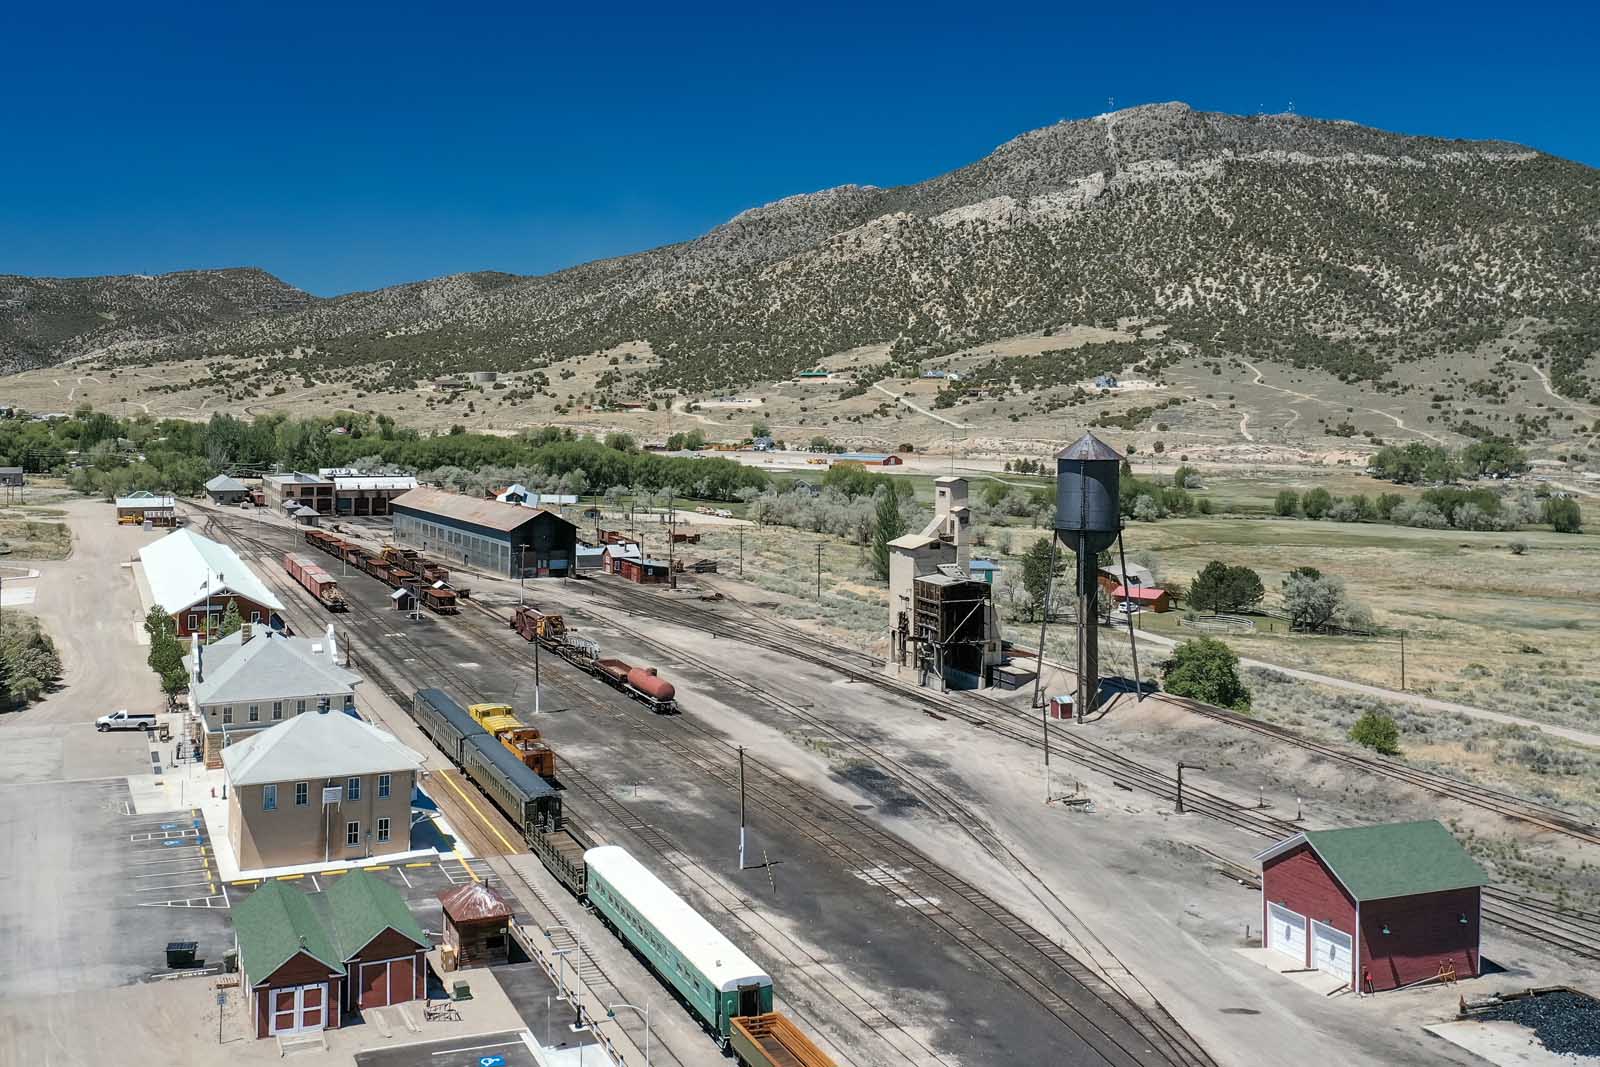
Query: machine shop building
318, 788
193, 578
145, 506
1378, 906
502, 538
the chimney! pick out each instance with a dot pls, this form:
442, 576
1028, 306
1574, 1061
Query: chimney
333, 646
196, 647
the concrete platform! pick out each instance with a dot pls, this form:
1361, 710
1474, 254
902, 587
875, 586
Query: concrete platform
1504, 1043
1320, 983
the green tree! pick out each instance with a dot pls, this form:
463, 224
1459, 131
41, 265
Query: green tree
1378, 732
888, 524
166, 659
1220, 587
158, 622
1563, 515
1287, 503
1316, 503
232, 621
759, 428
1205, 669
1312, 600
1037, 573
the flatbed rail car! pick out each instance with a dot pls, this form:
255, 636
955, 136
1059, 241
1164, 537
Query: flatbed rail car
314, 580
771, 1040
561, 851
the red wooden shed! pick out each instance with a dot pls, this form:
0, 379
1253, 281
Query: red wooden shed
1382, 906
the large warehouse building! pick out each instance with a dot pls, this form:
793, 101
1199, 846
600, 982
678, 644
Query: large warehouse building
495, 536
1379, 906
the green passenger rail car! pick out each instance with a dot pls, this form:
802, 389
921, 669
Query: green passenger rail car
708, 972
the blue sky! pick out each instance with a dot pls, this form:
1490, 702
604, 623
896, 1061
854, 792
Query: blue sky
348, 146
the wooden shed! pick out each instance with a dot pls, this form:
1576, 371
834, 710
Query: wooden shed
477, 924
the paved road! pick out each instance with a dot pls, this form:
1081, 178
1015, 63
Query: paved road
1428, 703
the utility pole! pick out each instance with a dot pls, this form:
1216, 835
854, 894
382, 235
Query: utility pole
1044, 620
741, 551
741, 807
522, 576
672, 535
819, 572
1181, 767
1044, 720
1402, 661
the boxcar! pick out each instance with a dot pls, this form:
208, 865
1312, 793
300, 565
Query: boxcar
712, 976
529, 801
446, 723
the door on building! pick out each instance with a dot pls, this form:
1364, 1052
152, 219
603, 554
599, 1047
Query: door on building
387, 982
1286, 932
299, 1009
1330, 950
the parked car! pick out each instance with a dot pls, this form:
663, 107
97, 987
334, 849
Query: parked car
126, 720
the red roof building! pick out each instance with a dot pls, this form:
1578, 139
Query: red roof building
1380, 906
1153, 599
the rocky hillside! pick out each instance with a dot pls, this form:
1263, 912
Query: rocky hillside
1280, 238
46, 320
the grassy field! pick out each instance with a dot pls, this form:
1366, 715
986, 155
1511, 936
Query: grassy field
28, 533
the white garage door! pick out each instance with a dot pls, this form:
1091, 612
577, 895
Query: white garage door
1286, 931
1330, 950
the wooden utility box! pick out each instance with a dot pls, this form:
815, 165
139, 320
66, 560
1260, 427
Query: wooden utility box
476, 925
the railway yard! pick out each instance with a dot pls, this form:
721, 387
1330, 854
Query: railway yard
924, 877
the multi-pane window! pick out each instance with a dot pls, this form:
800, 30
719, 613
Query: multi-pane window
352, 834
227, 714
269, 798
255, 713
383, 830
277, 709
302, 794
299, 707
352, 789
383, 787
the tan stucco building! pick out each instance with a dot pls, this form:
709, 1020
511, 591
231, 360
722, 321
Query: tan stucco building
323, 786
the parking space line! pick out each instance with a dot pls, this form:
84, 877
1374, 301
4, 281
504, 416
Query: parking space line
403, 878
476, 1048
171, 885
316, 886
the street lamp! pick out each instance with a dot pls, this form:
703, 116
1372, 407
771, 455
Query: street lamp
611, 1013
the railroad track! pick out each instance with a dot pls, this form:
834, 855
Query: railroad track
851, 1002
1570, 931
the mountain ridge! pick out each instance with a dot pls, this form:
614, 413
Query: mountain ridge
1294, 239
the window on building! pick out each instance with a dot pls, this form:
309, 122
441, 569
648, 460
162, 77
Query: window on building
352, 834
352, 789
269, 798
299, 707
194, 623
255, 713
349, 700
383, 830
255, 618
277, 709
227, 714
383, 787
302, 794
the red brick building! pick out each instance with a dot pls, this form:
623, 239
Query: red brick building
1382, 906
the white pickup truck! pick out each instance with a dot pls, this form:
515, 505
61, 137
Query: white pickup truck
126, 720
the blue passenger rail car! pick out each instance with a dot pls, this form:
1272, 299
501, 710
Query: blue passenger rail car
446, 722
527, 799
708, 972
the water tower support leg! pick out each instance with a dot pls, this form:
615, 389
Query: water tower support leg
1133, 644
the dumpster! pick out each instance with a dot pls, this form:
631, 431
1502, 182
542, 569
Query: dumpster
181, 953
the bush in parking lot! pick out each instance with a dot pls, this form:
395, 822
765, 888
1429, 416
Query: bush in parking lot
30, 666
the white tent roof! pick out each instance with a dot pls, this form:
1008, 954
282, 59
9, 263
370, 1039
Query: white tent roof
183, 566
316, 744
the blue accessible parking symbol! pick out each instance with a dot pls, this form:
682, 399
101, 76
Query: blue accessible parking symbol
491, 1061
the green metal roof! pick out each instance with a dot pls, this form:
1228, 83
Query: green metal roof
1396, 859
363, 906
273, 924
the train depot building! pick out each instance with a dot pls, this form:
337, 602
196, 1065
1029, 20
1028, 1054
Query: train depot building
319, 788
135, 509
310, 960
502, 538
256, 678
194, 578
1379, 906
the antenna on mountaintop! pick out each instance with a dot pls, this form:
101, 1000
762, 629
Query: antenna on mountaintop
1111, 103
1291, 107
